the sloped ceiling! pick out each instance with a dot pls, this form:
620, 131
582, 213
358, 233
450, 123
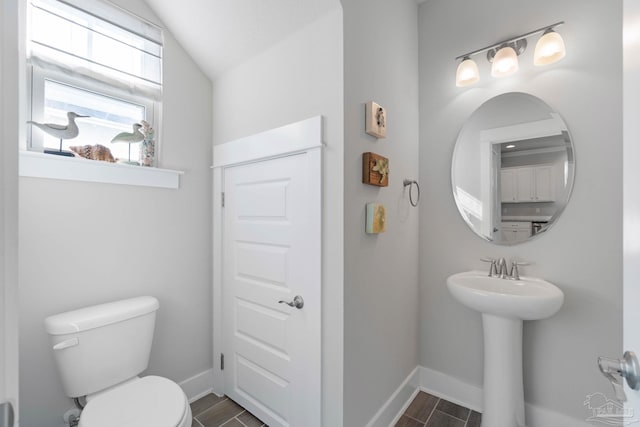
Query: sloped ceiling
219, 34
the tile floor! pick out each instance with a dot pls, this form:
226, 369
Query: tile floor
425, 411
214, 411
430, 411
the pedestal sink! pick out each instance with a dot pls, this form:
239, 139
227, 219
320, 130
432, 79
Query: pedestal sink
504, 304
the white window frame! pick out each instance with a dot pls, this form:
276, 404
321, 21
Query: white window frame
36, 99
34, 163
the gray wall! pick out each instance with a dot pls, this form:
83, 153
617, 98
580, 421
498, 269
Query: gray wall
582, 254
83, 244
381, 282
295, 79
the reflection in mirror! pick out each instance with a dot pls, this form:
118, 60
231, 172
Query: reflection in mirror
513, 168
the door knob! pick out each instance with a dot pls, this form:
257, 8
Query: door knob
617, 369
297, 302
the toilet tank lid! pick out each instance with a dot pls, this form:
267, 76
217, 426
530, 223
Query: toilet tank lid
99, 315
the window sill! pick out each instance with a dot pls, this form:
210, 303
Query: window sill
40, 165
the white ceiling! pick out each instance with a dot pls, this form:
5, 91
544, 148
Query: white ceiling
219, 34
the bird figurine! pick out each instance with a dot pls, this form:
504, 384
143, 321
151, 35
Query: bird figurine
130, 138
68, 131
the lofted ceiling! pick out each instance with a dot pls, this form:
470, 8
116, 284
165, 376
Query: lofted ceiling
219, 34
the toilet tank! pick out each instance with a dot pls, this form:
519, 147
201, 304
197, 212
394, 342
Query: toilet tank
100, 346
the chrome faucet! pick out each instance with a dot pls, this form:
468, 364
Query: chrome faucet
514, 275
502, 268
493, 270
498, 268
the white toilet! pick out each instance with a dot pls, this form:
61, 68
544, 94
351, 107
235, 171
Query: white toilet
99, 352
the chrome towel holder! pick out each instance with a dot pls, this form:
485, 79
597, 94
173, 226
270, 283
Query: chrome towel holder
410, 183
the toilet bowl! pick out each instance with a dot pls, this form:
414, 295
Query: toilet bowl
100, 351
143, 402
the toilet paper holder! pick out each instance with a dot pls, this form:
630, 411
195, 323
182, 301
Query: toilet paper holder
617, 369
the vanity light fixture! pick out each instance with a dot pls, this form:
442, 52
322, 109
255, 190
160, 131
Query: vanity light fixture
504, 55
467, 72
549, 49
505, 62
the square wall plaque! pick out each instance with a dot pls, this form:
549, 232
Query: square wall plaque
376, 218
375, 120
375, 169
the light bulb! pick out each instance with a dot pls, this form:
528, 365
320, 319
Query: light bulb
549, 49
505, 62
467, 73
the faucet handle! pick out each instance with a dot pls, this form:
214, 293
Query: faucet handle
493, 268
515, 275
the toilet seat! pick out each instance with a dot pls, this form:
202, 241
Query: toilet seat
146, 402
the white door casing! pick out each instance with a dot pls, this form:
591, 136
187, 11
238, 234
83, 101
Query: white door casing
631, 191
10, 16
267, 248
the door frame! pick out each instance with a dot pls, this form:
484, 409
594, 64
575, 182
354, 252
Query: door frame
496, 136
630, 196
11, 15
299, 137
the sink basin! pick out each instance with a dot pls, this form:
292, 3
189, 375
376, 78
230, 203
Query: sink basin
526, 299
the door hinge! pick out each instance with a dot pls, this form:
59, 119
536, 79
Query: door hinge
222, 200
222, 361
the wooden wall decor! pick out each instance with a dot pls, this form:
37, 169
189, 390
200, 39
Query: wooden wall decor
375, 169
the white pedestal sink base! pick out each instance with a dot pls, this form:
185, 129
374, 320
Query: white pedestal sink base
504, 304
503, 386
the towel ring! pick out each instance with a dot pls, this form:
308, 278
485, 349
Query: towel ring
409, 182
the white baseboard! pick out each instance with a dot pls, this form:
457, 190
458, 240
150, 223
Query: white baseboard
451, 389
457, 391
390, 412
198, 385
537, 416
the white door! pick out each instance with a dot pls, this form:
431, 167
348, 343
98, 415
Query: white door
496, 202
508, 185
271, 256
525, 184
544, 184
631, 194
488, 189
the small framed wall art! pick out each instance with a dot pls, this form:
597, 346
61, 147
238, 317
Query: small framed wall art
376, 218
375, 120
375, 169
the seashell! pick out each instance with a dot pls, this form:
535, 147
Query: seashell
93, 152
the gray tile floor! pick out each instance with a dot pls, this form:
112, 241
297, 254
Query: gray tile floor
214, 411
430, 411
424, 411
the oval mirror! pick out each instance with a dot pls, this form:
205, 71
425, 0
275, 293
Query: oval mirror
513, 168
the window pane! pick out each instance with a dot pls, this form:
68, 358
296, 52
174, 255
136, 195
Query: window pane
66, 35
108, 117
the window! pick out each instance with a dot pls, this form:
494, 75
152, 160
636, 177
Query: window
97, 60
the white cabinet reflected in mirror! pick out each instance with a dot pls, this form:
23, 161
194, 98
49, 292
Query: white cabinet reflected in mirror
513, 168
